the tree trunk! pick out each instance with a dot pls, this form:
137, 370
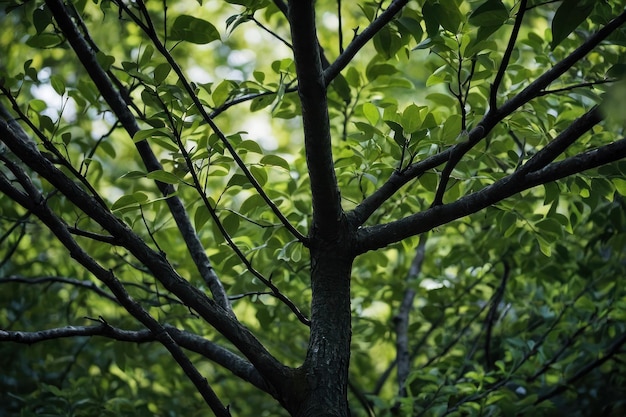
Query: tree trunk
324, 373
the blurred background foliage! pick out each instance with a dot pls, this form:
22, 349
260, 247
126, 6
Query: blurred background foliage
516, 306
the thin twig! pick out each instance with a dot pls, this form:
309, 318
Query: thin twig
340, 28
576, 86
507, 55
90, 285
149, 30
362, 39
275, 35
197, 185
35, 202
118, 104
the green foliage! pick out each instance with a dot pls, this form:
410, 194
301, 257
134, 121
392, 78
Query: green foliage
194, 30
515, 307
568, 17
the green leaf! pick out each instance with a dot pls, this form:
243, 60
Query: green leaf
441, 12
131, 175
250, 146
617, 71
490, 13
429, 180
194, 30
150, 133
252, 203
201, 216
378, 70
412, 26
37, 105
507, 221
411, 119
353, 76
450, 17
550, 226
161, 72
371, 113
261, 102
163, 176
41, 18
44, 40
231, 223
222, 92
53, 390
386, 42
620, 185
431, 18
104, 60
275, 160
124, 201
58, 84
340, 84
259, 173
568, 17
146, 56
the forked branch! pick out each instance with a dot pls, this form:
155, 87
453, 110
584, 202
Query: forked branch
454, 154
375, 237
327, 209
117, 103
158, 266
216, 353
33, 201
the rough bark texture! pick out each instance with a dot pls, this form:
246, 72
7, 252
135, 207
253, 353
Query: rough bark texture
324, 374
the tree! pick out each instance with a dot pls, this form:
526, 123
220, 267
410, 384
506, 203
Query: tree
446, 243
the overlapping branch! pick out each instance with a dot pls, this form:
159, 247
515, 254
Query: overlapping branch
160, 268
218, 354
493, 95
90, 285
119, 106
378, 236
401, 320
196, 184
31, 199
150, 30
362, 39
494, 116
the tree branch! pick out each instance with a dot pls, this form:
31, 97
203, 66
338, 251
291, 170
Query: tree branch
327, 211
493, 104
205, 200
221, 356
576, 86
35, 202
90, 285
161, 269
93, 236
491, 318
126, 118
535, 88
403, 357
453, 154
60, 158
362, 39
607, 354
151, 32
374, 237
559, 144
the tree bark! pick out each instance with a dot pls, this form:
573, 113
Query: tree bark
324, 373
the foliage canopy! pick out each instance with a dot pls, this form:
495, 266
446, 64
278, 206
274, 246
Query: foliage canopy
312, 208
